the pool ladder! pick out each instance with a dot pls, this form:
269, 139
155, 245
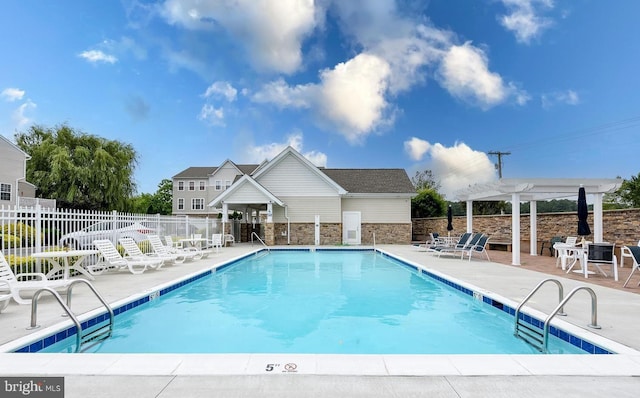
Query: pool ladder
92, 335
263, 244
539, 338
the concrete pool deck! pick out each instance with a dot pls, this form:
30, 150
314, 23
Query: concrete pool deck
168, 375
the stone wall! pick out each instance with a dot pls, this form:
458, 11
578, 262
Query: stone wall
621, 227
386, 233
331, 234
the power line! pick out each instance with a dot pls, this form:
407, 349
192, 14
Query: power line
499, 164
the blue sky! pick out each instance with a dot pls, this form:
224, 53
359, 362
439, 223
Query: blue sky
349, 83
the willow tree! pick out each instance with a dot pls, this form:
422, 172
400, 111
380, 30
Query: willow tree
79, 170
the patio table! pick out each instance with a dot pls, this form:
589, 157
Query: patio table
60, 261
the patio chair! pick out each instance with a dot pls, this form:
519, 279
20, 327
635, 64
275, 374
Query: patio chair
163, 251
432, 242
625, 253
549, 245
564, 255
216, 241
462, 241
635, 256
462, 248
112, 260
11, 285
133, 252
191, 253
599, 255
480, 248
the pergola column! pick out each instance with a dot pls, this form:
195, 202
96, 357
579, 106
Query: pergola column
597, 218
469, 215
533, 226
515, 228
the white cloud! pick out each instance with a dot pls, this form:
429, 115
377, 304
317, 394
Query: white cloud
223, 89
12, 94
350, 97
279, 93
256, 154
21, 115
271, 31
465, 73
416, 148
568, 97
458, 166
212, 115
524, 19
96, 56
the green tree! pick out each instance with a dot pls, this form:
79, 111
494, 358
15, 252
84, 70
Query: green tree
629, 191
79, 170
162, 201
428, 203
425, 180
142, 203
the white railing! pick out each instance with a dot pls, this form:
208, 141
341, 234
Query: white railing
28, 230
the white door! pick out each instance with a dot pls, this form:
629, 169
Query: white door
351, 227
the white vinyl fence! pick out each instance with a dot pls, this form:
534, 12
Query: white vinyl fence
27, 230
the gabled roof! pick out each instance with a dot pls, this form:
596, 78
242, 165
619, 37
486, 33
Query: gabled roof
14, 146
304, 161
196, 172
244, 180
372, 180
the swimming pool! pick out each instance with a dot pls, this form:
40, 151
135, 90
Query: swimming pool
325, 301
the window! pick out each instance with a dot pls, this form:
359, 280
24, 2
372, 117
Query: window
180, 204
180, 185
218, 185
192, 185
5, 192
202, 185
197, 204
227, 184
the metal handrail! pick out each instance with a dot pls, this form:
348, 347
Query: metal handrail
522, 303
34, 312
67, 309
594, 311
98, 295
261, 241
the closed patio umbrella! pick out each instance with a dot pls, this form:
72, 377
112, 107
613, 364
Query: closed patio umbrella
449, 219
583, 226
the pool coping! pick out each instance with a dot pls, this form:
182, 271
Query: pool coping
626, 362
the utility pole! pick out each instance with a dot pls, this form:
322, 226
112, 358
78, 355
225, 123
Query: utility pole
499, 164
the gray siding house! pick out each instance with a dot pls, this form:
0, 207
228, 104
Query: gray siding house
299, 203
13, 172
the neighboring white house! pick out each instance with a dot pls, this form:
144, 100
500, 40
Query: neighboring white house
13, 171
300, 203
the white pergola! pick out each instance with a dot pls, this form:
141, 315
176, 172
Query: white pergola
532, 190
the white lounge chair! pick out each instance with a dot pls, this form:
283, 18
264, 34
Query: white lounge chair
112, 260
194, 253
12, 285
163, 251
132, 252
4, 298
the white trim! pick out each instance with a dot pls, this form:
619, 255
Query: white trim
289, 150
245, 179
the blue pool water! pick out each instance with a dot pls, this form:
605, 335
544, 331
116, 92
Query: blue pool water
341, 302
